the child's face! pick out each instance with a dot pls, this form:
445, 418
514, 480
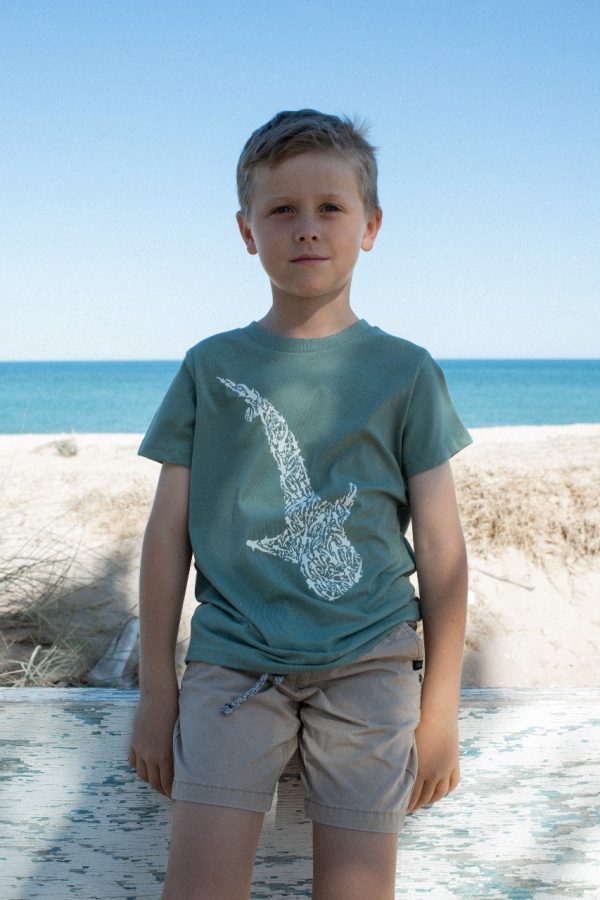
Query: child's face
308, 224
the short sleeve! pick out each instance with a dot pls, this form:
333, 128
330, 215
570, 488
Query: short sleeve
170, 437
433, 431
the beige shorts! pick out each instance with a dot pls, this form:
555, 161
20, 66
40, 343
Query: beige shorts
353, 726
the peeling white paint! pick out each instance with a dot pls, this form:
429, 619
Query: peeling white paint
524, 822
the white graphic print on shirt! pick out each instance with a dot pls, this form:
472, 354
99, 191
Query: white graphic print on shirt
314, 536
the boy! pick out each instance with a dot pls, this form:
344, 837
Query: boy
295, 451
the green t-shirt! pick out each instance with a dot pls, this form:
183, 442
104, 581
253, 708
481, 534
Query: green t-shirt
300, 450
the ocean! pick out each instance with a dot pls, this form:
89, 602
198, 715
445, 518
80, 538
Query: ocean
65, 397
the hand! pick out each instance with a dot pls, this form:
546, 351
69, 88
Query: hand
438, 767
151, 751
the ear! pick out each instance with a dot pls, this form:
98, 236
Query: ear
246, 233
372, 229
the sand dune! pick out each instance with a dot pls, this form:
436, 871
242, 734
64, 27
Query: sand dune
74, 508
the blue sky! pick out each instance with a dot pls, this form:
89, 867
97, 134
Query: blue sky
123, 121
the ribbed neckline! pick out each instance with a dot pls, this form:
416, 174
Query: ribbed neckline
306, 345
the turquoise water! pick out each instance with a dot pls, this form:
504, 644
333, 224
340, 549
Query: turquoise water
524, 392
46, 397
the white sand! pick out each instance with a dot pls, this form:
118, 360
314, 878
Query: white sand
534, 616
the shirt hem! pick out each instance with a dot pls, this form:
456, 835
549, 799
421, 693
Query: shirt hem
262, 663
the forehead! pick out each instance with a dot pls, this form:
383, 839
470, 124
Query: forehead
319, 172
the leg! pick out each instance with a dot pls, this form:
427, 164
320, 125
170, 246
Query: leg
360, 761
353, 865
212, 852
221, 763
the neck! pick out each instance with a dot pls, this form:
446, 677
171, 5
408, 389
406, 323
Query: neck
308, 319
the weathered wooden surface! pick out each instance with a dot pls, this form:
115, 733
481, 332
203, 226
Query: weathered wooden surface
525, 821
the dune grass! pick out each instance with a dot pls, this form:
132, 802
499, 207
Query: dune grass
552, 514
38, 647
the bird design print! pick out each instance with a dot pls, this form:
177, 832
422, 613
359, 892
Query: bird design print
314, 536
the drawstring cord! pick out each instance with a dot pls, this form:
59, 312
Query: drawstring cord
232, 705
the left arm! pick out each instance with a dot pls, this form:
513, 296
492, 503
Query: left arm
442, 571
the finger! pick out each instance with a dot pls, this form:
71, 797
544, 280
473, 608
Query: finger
154, 778
454, 779
427, 791
161, 777
415, 796
142, 770
131, 758
441, 790
166, 777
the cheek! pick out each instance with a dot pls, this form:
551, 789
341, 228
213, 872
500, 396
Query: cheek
268, 239
353, 242
262, 244
269, 252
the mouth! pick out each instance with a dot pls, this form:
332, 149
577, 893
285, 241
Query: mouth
309, 259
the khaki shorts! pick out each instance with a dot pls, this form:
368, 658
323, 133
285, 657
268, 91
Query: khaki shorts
353, 726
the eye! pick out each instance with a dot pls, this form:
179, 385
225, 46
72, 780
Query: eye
330, 207
279, 210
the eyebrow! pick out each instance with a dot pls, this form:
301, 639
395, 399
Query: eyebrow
286, 198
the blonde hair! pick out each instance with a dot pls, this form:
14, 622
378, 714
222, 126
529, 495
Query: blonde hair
290, 133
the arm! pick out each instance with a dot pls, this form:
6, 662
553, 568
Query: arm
442, 571
166, 557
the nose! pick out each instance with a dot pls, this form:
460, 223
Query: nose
307, 231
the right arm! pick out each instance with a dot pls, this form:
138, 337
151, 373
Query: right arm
166, 558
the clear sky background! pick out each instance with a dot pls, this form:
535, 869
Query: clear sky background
122, 121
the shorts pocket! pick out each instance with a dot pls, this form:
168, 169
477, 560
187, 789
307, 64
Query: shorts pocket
413, 638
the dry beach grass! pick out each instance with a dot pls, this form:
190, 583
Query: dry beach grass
538, 495
74, 509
